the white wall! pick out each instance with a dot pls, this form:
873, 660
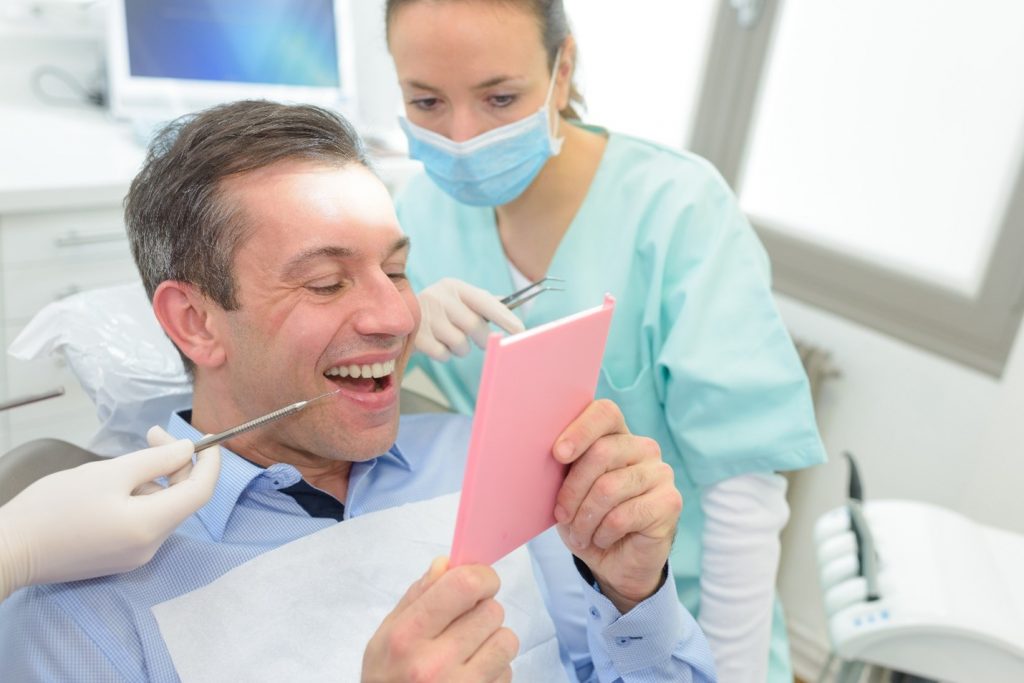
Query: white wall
920, 426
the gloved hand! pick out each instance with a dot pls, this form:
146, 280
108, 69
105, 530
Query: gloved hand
102, 517
453, 312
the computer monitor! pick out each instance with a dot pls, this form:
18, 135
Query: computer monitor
170, 57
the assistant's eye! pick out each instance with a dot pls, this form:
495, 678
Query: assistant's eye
502, 101
424, 103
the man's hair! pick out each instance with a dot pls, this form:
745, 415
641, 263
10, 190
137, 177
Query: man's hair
180, 225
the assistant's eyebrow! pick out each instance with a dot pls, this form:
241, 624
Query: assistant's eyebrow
489, 83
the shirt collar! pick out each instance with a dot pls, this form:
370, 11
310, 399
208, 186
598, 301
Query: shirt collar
237, 473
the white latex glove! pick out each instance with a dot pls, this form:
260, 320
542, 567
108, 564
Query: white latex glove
453, 312
102, 517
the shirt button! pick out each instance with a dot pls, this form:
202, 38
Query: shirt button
622, 641
594, 613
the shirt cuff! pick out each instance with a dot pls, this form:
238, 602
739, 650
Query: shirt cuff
648, 635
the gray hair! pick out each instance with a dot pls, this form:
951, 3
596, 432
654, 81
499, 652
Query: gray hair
179, 225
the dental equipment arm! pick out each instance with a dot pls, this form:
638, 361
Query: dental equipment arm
453, 312
103, 517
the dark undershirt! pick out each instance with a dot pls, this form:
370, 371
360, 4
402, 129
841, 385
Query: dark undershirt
315, 502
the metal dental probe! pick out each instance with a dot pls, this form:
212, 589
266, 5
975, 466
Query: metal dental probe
214, 439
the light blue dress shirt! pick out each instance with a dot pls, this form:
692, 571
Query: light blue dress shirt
103, 630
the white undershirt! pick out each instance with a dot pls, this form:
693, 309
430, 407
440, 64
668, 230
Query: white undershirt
743, 517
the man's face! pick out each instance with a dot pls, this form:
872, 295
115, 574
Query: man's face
320, 279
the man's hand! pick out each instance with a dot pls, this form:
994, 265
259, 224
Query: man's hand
618, 507
447, 627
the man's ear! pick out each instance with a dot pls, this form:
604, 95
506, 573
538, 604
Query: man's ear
185, 315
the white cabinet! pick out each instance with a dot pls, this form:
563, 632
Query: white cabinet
63, 175
45, 256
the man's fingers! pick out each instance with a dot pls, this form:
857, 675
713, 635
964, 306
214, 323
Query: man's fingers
600, 418
653, 514
449, 597
492, 661
607, 493
438, 566
471, 630
608, 454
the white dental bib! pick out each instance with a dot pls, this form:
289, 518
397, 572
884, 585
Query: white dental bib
305, 611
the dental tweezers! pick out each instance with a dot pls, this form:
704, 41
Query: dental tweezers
521, 296
214, 439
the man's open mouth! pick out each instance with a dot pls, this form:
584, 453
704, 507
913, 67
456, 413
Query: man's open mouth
363, 378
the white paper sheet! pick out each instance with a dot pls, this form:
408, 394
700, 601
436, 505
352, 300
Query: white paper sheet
305, 611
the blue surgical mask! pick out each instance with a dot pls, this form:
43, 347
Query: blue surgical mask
494, 167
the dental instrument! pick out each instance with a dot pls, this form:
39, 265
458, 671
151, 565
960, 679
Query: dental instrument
521, 296
214, 439
25, 400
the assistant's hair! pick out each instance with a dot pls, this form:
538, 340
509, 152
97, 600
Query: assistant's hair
554, 29
181, 226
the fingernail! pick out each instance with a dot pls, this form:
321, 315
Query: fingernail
560, 514
563, 450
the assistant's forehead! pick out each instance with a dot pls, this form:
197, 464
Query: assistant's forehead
467, 39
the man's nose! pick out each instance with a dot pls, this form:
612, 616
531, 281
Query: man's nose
385, 310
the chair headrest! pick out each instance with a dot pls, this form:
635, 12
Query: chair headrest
120, 355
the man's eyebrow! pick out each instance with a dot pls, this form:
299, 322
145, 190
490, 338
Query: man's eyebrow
400, 244
295, 264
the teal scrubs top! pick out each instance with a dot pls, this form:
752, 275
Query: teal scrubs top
697, 358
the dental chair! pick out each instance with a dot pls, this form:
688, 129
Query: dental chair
116, 349
916, 588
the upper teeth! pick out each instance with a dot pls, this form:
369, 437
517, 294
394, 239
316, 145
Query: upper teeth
375, 370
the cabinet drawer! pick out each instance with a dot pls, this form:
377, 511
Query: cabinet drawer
66, 238
27, 290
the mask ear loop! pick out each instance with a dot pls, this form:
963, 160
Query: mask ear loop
556, 142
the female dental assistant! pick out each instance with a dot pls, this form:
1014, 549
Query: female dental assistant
697, 358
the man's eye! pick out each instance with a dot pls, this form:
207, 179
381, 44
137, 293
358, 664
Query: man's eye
324, 290
398, 277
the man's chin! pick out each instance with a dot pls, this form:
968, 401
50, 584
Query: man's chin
372, 441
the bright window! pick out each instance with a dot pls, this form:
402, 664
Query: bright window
891, 131
641, 64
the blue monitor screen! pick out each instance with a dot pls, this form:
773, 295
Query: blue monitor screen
279, 42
